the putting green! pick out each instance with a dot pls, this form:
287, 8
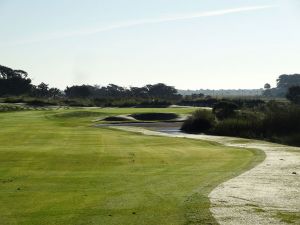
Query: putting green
55, 168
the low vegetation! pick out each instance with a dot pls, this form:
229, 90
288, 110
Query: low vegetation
199, 122
9, 108
278, 122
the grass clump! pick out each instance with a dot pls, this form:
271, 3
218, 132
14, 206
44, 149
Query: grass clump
289, 217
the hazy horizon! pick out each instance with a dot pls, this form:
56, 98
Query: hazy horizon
193, 44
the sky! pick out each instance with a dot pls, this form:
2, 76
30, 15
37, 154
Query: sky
189, 44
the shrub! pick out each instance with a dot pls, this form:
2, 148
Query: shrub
13, 100
282, 120
239, 127
224, 110
277, 122
200, 121
39, 102
293, 139
11, 108
294, 94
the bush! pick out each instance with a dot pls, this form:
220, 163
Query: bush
39, 102
224, 110
13, 100
200, 121
154, 104
293, 139
277, 122
239, 127
294, 94
11, 108
282, 120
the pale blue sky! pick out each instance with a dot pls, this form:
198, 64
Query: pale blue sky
186, 43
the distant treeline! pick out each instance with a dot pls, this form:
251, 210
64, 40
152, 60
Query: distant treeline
16, 86
224, 93
284, 82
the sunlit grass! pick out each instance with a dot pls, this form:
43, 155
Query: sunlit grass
56, 168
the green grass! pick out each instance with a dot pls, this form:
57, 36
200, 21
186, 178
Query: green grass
55, 168
289, 217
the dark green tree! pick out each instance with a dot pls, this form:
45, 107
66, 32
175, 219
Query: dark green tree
286, 81
14, 82
267, 86
161, 91
55, 93
83, 91
294, 94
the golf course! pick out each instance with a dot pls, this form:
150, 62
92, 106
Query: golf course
58, 167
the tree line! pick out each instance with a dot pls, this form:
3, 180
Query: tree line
17, 83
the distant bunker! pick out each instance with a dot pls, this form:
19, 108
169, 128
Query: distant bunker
154, 116
118, 119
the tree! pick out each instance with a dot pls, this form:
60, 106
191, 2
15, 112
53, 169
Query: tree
83, 91
115, 90
286, 81
267, 86
138, 92
294, 94
14, 82
268, 91
43, 89
161, 90
54, 93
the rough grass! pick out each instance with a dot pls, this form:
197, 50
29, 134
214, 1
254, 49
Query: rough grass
55, 170
289, 217
78, 114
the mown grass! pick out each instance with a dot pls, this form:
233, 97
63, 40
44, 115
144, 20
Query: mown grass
61, 170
